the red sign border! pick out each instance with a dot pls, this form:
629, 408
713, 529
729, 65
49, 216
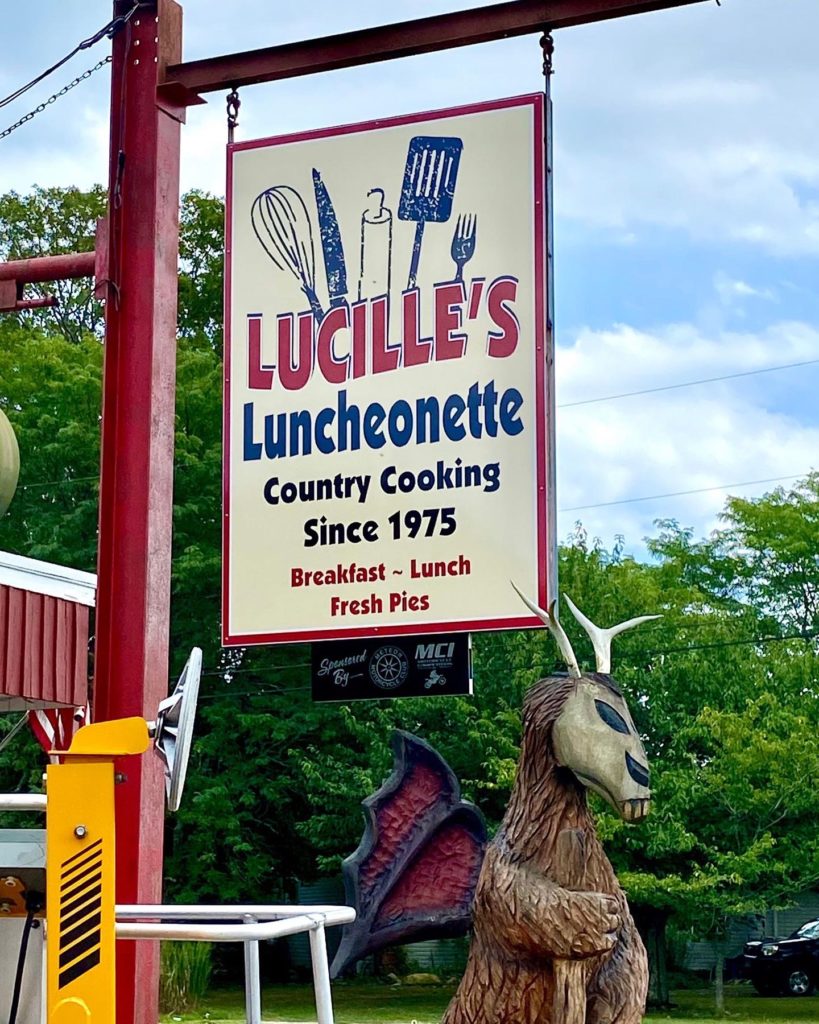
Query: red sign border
544, 412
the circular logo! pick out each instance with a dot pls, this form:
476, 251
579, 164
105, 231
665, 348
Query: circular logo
388, 667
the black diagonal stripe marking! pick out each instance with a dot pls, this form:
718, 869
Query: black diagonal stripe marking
92, 894
67, 938
80, 967
74, 856
72, 919
78, 867
94, 864
79, 949
86, 883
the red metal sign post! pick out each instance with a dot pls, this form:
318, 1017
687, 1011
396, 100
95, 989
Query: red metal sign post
136, 485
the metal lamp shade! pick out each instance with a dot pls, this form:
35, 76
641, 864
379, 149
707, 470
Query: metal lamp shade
9, 462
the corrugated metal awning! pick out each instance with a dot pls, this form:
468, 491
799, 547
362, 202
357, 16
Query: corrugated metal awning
44, 630
46, 578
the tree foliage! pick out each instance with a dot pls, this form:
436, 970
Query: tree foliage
722, 687
52, 222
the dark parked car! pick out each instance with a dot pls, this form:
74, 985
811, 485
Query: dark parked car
785, 966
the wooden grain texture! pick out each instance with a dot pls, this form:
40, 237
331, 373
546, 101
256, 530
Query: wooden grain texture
527, 919
570, 983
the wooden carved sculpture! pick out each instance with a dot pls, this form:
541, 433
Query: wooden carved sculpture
414, 873
553, 940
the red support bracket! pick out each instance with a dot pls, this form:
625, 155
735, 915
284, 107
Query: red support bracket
43, 302
184, 82
15, 274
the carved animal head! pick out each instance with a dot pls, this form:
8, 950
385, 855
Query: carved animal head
593, 734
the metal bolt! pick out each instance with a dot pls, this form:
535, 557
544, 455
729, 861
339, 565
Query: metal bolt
120, 777
10, 882
80, 831
5, 907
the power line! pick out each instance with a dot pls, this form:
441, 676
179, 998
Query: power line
639, 656
86, 479
679, 494
806, 635
276, 691
245, 671
687, 384
56, 483
570, 508
109, 30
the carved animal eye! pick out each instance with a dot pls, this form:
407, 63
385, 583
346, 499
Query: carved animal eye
611, 717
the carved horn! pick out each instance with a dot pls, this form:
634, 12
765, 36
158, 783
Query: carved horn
556, 630
601, 638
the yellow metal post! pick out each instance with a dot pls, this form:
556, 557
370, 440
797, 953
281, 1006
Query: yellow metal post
80, 873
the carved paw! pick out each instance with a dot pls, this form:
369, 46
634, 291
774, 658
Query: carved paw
595, 921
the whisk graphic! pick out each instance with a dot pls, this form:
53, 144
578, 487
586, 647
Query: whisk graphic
282, 224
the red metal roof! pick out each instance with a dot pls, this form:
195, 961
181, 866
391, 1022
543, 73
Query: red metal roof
44, 630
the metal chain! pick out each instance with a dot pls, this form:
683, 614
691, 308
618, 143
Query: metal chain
233, 103
547, 45
52, 99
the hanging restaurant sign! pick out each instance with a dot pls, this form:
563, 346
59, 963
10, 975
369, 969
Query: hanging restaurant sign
388, 387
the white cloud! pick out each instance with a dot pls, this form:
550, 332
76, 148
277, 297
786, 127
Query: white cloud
694, 135
706, 436
733, 292
44, 158
669, 120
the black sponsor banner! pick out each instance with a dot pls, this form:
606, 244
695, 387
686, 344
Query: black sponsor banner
412, 666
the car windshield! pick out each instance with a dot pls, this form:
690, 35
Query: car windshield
807, 931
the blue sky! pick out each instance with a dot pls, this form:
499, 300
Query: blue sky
687, 215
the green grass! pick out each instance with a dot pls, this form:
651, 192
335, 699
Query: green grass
369, 1003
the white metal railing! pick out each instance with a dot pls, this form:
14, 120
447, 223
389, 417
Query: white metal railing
22, 802
248, 924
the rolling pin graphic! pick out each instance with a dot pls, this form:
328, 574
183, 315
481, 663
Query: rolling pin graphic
376, 247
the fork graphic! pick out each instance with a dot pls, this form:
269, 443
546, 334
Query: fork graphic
463, 242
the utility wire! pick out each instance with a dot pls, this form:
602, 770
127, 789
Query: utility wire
244, 671
109, 30
634, 658
86, 479
687, 384
755, 640
678, 494
58, 483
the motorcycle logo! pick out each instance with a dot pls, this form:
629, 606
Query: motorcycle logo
389, 667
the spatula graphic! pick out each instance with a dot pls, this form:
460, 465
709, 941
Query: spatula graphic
429, 187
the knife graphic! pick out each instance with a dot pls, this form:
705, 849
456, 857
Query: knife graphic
334, 265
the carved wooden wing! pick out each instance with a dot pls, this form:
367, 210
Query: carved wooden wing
414, 873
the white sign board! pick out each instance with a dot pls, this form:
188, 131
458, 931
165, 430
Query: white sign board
388, 390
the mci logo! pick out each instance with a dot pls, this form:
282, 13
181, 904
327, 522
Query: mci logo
434, 652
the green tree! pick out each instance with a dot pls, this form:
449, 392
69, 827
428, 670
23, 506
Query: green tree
50, 391
722, 687
51, 222
201, 258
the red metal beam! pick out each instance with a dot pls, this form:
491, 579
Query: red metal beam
48, 268
184, 82
136, 480
44, 302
